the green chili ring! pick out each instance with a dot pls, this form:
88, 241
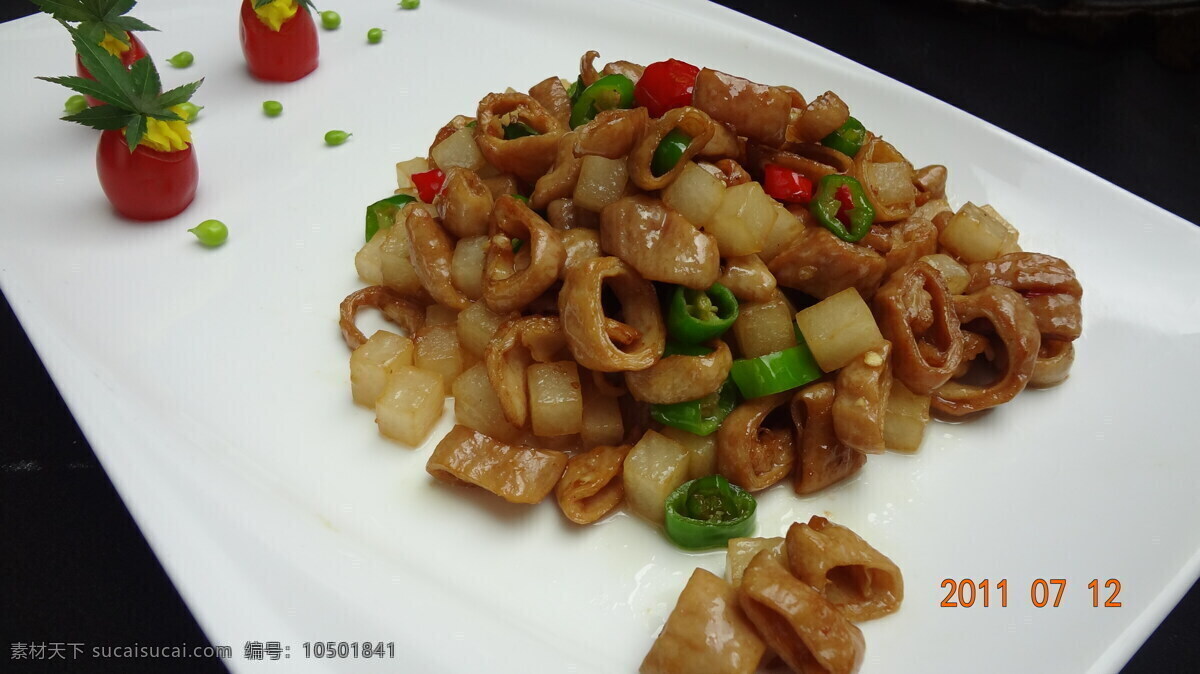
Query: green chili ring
826, 207
695, 316
707, 512
607, 93
847, 138
699, 417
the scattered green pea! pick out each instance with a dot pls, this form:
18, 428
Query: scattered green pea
75, 105
336, 137
375, 35
331, 20
211, 233
189, 111
182, 60
272, 108
410, 4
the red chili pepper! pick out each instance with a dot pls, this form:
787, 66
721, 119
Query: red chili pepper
666, 85
784, 184
145, 184
283, 56
843, 195
135, 53
428, 184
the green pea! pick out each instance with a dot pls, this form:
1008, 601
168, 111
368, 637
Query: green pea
75, 105
211, 233
331, 20
181, 60
189, 111
336, 137
410, 4
375, 35
272, 108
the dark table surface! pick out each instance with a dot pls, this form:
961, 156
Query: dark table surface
75, 568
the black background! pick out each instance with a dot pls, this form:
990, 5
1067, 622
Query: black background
76, 568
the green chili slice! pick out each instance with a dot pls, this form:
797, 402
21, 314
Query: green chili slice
707, 512
698, 417
381, 213
848, 138
519, 130
669, 152
841, 205
695, 316
775, 372
607, 93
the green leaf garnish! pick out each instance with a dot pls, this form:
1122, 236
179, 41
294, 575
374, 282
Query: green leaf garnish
133, 95
104, 66
180, 94
96, 17
84, 86
103, 117
65, 10
145, 78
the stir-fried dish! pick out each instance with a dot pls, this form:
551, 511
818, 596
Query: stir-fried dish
667, 288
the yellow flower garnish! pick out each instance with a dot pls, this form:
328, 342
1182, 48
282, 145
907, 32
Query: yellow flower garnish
114, 46
167, 136
276, 13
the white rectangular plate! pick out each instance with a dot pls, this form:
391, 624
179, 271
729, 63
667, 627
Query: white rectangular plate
213, 384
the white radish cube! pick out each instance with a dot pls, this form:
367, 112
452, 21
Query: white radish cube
410, 404
371, 363
655, 467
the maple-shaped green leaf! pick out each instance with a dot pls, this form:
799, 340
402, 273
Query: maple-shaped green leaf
97, 16
180, 94
133, 95
104, 67
103, 117
84, 86
119, 7
92, 31
166, 116
65, 10
128, 23
102, 8
114, 17
146, 84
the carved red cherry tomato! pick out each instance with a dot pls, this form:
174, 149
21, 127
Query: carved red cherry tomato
145, 184
279, 56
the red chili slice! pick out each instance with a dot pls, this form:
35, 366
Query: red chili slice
665, 85
784, 184
429, 184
